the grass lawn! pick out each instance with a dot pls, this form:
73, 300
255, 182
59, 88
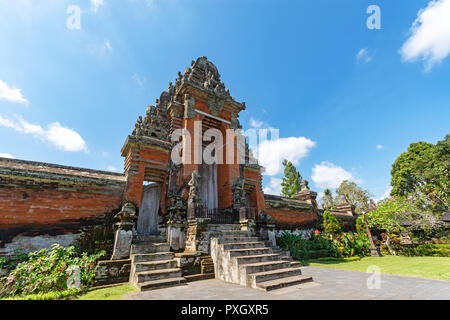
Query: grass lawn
109, 293
423, 267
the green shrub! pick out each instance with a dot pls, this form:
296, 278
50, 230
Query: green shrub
47, 270
355, 258
318, 246
330, 223
430, 250
349, 245
55, 295
10, 263
360, 225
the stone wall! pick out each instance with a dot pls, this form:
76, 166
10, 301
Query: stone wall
112, 271
43, 203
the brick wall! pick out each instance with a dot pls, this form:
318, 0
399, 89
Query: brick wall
291, 213
45, 199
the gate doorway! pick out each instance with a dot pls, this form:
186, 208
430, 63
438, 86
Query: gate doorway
148, 219
208, 185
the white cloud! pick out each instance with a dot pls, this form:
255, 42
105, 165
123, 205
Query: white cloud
274, 186
328, 175
430, 39
111, 168
386, 194
95, 4
140, 80
11, 94
379, 146
271, 153
6, 155
108, 45
62, 138
363, 54
256, 124
9, 124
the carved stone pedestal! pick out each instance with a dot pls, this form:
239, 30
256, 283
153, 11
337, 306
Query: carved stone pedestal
375, 252
267, 232
176, 235
124, 231
122, 244
193, 234
248, 225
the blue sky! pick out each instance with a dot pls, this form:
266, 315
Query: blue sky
312, 68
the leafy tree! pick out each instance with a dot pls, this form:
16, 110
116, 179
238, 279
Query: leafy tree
388, 217
422, 174
351, 193
360, 225
330, 223
327, 200
291, 180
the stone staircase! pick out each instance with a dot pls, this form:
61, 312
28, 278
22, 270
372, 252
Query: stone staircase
242, 259
153, 266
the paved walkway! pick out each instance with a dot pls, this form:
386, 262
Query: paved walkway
328, 284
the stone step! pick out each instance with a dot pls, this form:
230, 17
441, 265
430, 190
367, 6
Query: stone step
247, 252
242, 245
146, 276
147, 239
200, 276
295, 264
263, 266
147, 257
254, 278
144, 247
155, 265
236, 233
228, 239
162, 283
283, 282
257, 258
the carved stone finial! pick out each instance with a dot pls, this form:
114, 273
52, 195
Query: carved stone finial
126, 217
304, 185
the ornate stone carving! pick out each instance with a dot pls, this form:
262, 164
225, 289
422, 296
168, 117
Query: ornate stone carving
189, 103
177, 210
126, 218
194, 193
215, 105
239, 196
265, 217
155, 124
235, 122
304, 185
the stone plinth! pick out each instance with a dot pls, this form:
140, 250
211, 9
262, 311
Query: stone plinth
176, 236
122, 244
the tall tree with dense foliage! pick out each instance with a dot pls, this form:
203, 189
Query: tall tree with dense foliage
330, 223
351, 193
327, 200
422, 175
291, 180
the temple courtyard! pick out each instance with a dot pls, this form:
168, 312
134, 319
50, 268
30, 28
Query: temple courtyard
328, 284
